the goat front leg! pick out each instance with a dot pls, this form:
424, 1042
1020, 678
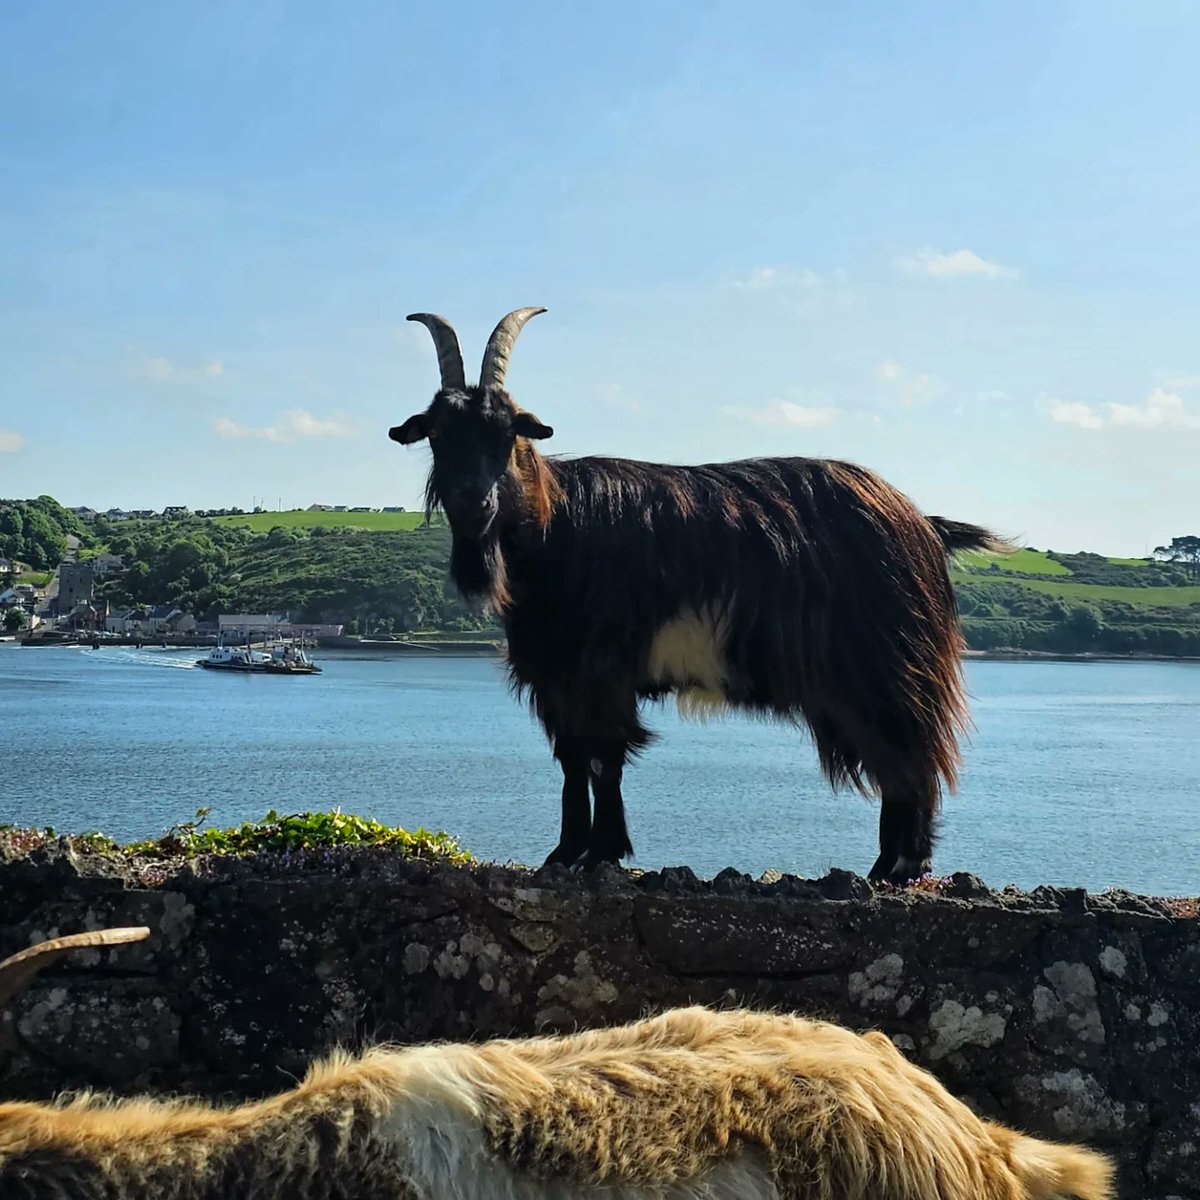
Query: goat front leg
609, 840
576, 829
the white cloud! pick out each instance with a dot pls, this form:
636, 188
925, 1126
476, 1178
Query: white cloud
296, 424
1084, 416
784, 413
10, 442
762, 279
615, 396
228, 428
1177, 383
1160, 410
928, 261
304, 424
163, 370
416, 338
908, 386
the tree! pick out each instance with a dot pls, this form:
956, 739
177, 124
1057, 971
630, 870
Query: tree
35, 531
1185, 550
14, 619
1085, 624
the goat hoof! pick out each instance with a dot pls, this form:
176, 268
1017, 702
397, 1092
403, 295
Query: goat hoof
589, 860
566, 855
901, 872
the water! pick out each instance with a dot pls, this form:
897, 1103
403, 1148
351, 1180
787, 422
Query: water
1077, 773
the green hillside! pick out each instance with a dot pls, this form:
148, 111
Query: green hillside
1070, 589
301, 518
1031, 562
1073, 603
329, 573
388, 572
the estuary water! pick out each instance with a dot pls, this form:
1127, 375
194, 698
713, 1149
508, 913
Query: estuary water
1077, 773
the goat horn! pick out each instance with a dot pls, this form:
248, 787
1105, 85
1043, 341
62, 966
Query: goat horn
20, 968
500, 344
450, 360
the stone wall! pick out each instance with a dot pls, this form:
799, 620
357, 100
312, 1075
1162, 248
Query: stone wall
1071, 1015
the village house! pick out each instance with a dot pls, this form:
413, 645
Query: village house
20, 596
169, 618
241, 624
87, 616
84, 513
126, 621
106, 564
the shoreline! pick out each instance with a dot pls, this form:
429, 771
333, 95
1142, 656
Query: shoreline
1018, 655
434, 646
465, 648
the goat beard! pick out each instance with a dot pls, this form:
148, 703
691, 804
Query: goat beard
478, 570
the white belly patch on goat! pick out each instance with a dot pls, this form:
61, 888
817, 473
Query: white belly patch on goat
688, 656
450, 1160
436, 1129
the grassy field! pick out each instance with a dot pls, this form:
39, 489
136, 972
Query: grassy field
1032, 562
1142, 597
300, 518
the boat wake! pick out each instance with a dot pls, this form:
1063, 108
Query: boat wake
174, 659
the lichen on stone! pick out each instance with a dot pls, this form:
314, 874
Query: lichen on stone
1072, 1001
955, 1025
878, 983
1113, 961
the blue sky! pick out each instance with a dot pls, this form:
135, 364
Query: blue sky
956, 243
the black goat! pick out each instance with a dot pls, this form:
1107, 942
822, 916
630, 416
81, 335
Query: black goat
804, 589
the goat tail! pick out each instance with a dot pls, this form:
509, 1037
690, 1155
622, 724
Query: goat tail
960, 535
1056, 1170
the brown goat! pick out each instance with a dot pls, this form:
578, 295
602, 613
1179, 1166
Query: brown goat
689, 1105
800, 589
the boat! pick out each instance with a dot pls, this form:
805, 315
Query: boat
49, 637
283, 659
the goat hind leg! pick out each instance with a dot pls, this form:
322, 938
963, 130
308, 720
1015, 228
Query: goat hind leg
907, 831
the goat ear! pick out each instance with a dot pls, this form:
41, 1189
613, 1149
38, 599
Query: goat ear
526, 425
413, 430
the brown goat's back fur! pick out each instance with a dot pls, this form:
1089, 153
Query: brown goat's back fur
643, 1111
838, 1115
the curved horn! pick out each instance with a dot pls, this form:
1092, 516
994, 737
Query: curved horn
500, 344
20, 968
450, 361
